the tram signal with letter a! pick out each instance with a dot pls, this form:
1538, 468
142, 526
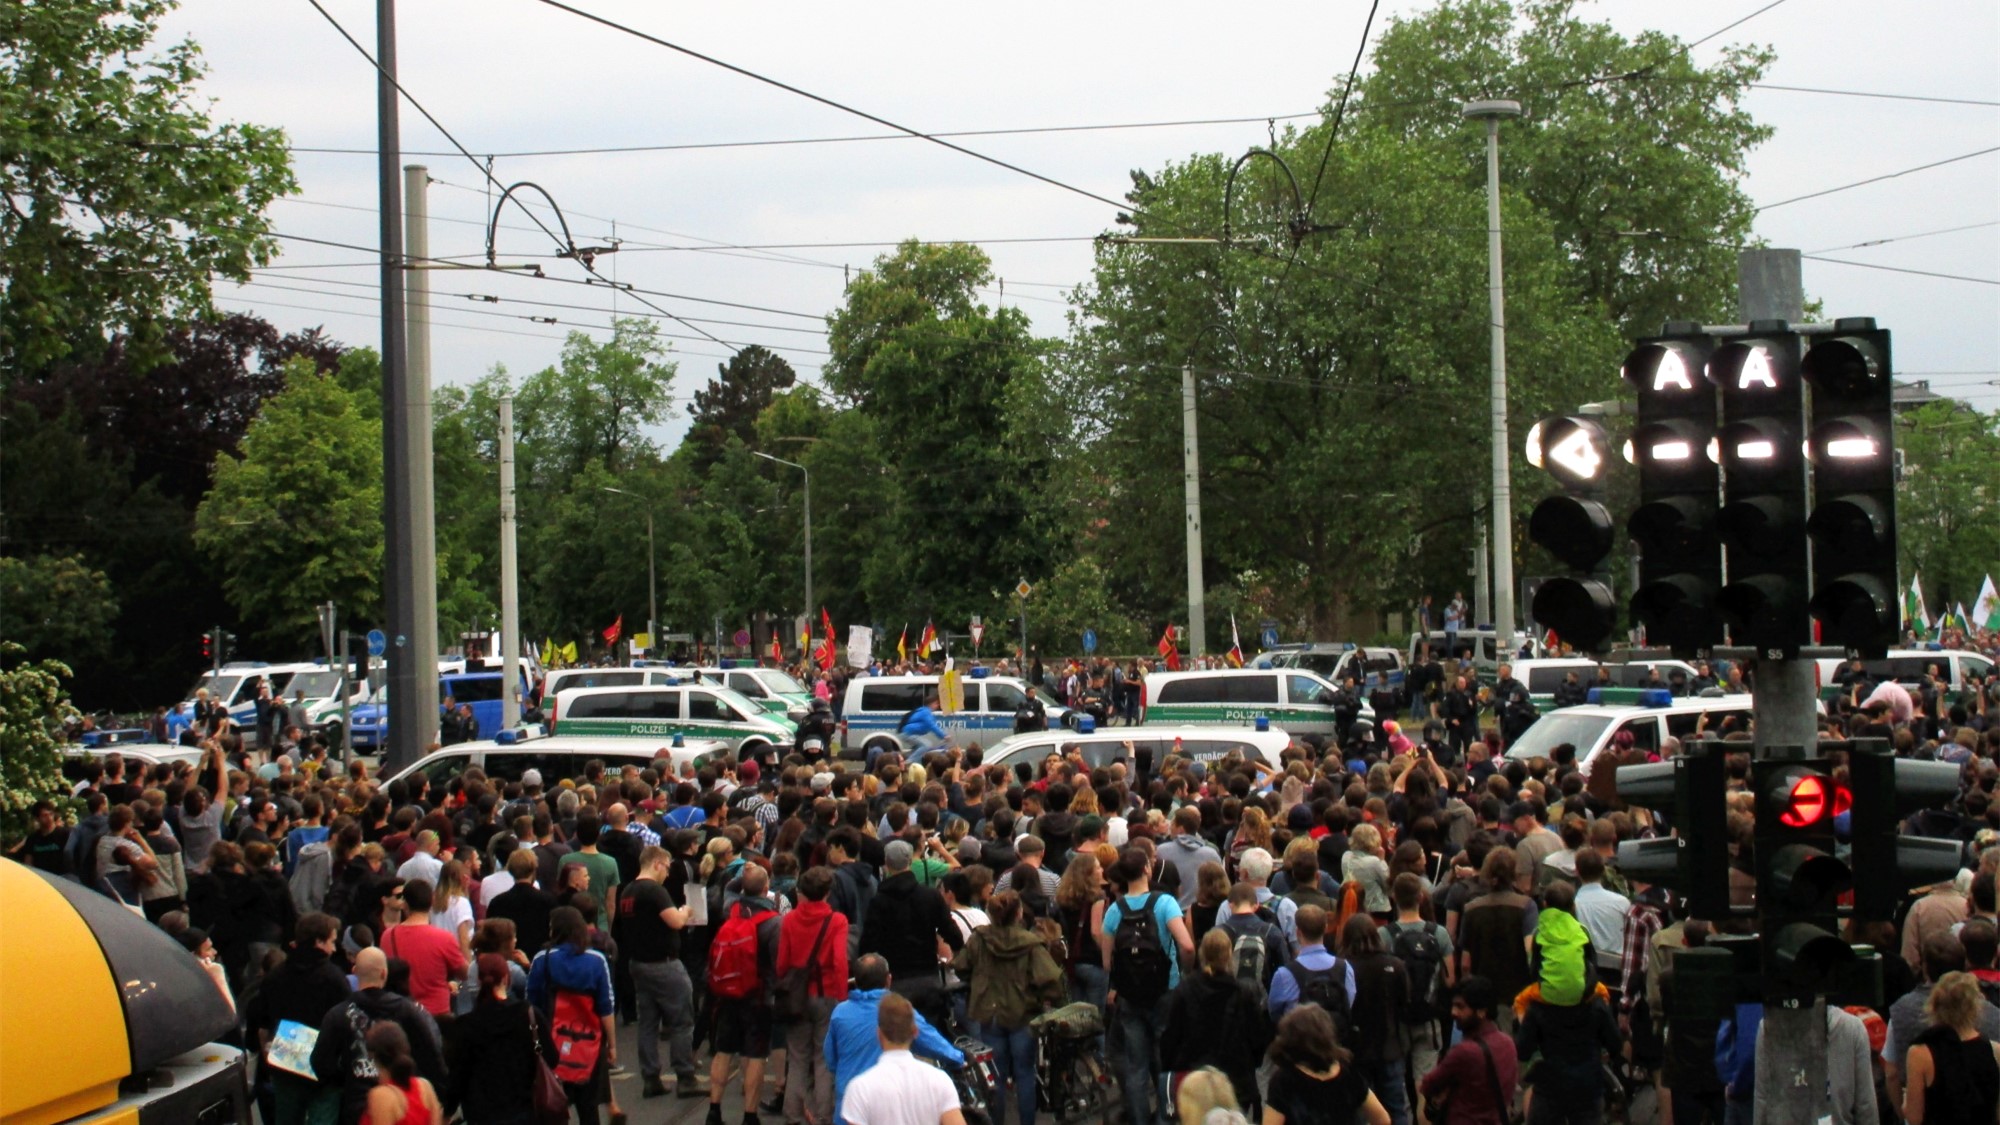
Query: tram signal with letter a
1576, 528
1674, 526
1761, 448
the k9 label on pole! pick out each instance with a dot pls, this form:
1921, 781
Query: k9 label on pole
378, 642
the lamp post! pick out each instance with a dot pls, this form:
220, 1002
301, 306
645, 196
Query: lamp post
652, 573
1491, 111
807, 473
1191, 486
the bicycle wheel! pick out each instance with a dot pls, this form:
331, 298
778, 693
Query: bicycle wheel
1086, 1090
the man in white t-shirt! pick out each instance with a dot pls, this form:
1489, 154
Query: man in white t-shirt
899, 1090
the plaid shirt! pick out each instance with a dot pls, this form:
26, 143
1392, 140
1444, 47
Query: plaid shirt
646, 836
1642, 923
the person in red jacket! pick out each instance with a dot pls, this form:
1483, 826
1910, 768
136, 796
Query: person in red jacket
812, 936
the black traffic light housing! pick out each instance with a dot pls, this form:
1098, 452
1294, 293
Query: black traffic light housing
1761, 447
1680, 554
208, 648
1799, 877
1853, 521
1694, 862
1575, 526
1887, 864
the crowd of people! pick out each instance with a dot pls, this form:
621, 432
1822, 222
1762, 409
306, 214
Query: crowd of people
1369, 931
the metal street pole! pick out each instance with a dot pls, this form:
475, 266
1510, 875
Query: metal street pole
417, 393
1191, 485
1491, 111
510, 576
402, 744
809, 522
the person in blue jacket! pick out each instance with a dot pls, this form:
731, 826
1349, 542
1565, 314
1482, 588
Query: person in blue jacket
851, 1043
569, 964
922, 726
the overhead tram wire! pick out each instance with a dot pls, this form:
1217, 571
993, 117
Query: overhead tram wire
1333, 132
1906, 237
1901, 269
1733, 25
486, 171
1878, 179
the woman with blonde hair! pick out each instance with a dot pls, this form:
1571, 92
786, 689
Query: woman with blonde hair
1081, 897
1364, 864
451, 911
1084, 802
1211, 891
1253, 831
1207, 1097
1952, 1073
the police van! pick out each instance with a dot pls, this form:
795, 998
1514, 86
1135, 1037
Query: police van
235, 686
510, 756
696, 710
480, 689
1595, 725
569, 679
1335, 662
1103, 746
773, 689
1908, 666
874, 707
1291, 698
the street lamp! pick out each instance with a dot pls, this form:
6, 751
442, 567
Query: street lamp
809, 522
652, 571
1491, 111
1191, 483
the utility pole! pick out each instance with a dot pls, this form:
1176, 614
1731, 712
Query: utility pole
407, 665
1792, 1043
510, 577
1482, 587
423, 501
1191, 478
1491, 111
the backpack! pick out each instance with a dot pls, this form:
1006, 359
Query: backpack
733, 971
1422, 956
1252, 952
312, 877
578, 1033
360, 1064
1311, 896
796, 984
1328, 988
1139, 966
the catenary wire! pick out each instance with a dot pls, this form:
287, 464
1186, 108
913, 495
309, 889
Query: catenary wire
1877, 179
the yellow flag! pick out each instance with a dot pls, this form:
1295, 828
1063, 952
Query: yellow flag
569, 653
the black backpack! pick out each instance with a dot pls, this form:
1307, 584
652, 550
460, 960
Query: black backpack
1328, 988
1422, 955
1139, 966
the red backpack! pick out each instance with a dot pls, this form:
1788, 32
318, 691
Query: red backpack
578, 1032
733, 970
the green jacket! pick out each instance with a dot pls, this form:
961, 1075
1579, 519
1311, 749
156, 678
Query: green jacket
1013, 977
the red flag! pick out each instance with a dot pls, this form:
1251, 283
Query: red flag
777, 650
832, 645
1167, 650
616, 630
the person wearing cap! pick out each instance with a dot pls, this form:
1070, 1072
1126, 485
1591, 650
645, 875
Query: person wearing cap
1534, 841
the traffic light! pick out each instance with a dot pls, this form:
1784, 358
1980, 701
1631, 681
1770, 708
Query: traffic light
1761, 448
1799, 879
1575, 527
1694, 862
225, 646
1888, 865
1853, 521
1680, 556
208, 648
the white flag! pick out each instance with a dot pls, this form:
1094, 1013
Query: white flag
860, 645
1986, 607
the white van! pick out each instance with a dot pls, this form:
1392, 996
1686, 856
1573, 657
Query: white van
556, 757
1908, 666
773, 689
1591, 727
1290, 698
569, 679
1483, 641
235, 687
1101, 747
692, 710
874, 706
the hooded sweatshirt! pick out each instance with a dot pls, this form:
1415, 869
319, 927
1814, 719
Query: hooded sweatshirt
340, 1057
1215, 1021
904, 922
1013, 977
304, 989
1187, 854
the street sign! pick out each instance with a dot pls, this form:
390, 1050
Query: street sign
1270, 637
677, 638
742, 638
978, 631
1089, 641
378, 642
1023, 589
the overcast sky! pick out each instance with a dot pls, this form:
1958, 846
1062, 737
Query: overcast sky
517, 75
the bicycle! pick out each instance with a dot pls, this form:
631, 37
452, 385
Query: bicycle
1073, 1084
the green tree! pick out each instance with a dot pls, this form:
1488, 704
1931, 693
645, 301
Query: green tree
124, 199
598, 403
296, 520
931, 368
729, 405
1948, 509
56, 606
33, 707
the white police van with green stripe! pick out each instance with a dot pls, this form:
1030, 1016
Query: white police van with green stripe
773, 689
1289, 698
696, 710
874, 706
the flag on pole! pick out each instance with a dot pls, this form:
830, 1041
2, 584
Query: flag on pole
777, 650
614, 630
1986, 607
829, 650
1235, 655
569, 653
928, 644
1914, 617
1167, 650
1959, 618
903, 646
548, 652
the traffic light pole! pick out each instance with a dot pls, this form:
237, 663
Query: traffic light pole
1792, 1045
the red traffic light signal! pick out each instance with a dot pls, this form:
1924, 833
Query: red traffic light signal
1807, 801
